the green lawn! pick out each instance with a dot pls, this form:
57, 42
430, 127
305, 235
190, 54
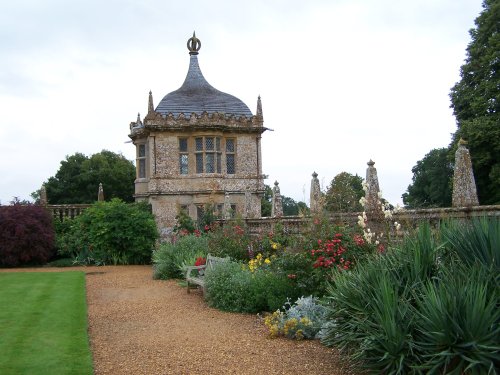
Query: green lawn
43, 324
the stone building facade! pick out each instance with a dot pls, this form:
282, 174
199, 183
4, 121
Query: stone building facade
199, 146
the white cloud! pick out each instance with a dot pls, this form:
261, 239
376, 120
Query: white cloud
341, 82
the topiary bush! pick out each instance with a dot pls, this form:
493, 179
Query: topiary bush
170, 259
112, 232
26, 235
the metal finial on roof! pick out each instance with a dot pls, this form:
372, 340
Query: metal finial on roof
193, 44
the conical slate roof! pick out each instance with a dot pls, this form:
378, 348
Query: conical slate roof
196, 95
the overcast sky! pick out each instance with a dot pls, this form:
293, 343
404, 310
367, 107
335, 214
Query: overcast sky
341, 81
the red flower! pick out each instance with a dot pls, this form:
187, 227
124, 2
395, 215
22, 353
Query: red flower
292, 276
200, 261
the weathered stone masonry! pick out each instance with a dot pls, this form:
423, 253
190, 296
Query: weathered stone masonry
199, 146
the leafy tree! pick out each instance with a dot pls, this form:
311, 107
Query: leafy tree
78, 178
432, 181
266, 205
476, 102
344, 193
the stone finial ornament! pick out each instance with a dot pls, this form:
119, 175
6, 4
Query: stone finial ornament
43, 196
151, 107
277, 202
315, 194
100, 194
259, 108
372, 189
193, 44
464, 184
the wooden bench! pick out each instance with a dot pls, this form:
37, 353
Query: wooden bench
195, 279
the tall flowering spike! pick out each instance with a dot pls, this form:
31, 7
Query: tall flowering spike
151, 107
100, 194
259, 108
372, 190
277, 203
464, 185
315, 194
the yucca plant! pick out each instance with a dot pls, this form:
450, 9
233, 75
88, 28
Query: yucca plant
457, 330
370, 311
369, 317
475, 241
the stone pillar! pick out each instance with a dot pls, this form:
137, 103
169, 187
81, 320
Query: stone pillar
315, 195
277, 204
100, 194
372, 198
43, 196
248, 204
464, 185
227, 206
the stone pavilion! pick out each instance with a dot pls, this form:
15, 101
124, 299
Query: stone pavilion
199, 146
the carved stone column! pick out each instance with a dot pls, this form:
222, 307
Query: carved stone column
315, 195
464, 185
277, 204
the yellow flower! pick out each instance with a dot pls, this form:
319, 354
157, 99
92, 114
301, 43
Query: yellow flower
305, 321
267, 261
299, 335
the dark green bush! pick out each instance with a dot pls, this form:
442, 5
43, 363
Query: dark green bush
110, 233
170, 259
26, 235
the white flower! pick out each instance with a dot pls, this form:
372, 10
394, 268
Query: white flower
379, 194
365, 186
377, 242
362, 201
388, 214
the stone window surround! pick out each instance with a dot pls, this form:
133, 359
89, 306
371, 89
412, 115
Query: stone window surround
220, 166
141, 161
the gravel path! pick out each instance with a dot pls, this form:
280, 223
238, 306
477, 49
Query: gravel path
138, 325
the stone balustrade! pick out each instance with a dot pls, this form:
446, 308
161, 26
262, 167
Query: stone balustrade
63, 212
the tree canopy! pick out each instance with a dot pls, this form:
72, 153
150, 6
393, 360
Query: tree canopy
78, 178
432, 181
344, 193
475, 100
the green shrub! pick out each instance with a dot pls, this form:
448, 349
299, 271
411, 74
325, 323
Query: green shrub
475, 241
233, 287
230, 240
458, 318
110, 233
26, 235
303, 319
417, 309
170, 259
